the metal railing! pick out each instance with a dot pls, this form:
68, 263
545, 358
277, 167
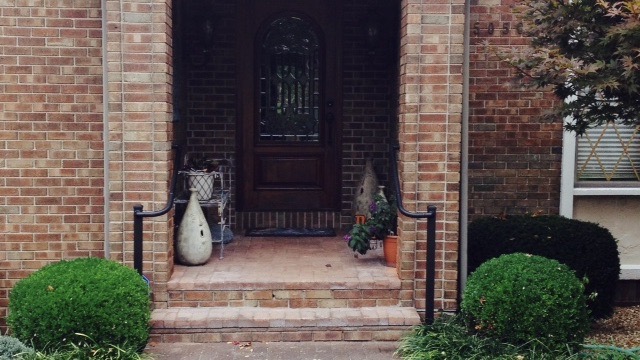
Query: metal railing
430, 215
139, 215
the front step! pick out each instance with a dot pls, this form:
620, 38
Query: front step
223, 324
272, 295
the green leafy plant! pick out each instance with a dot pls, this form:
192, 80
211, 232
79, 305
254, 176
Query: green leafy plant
203, 164
380, 223
449, 339
587, 248
66, 303
519, 298
88, 349
12, 348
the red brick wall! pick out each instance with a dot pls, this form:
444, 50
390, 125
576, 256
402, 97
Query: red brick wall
514, 157
51, 146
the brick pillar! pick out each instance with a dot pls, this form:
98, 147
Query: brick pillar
431, 55
140, 131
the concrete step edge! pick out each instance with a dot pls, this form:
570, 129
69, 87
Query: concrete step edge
281, 319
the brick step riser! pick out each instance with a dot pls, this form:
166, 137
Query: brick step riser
289, 298
386, 333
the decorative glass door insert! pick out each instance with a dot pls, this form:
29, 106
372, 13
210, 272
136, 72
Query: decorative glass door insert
289, 82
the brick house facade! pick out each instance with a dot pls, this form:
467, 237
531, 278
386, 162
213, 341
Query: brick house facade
87, 93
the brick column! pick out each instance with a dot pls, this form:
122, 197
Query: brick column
140, 131
431, 55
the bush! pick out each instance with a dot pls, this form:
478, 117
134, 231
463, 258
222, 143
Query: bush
587, 248
10, 347
66, 303
526, 299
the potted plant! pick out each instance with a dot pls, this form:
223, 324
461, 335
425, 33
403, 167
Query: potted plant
380, 225
200, 173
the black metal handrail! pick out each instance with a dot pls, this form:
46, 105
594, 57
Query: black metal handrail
139, 215
430, 215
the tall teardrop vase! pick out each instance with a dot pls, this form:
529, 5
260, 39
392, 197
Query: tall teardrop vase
367, 187
194, 242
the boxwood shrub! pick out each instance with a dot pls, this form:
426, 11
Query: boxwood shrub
526, 300
71, 302
587, 248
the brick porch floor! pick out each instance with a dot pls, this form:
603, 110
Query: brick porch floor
289, 262
285, 289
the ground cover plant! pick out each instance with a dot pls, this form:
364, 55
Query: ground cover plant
449, 339
11, 348
89, 349
587, 248
81, 304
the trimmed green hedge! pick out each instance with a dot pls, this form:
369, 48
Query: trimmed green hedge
587, 248
72, 302
526, 300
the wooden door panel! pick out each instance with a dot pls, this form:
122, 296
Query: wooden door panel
282, 171
289, 106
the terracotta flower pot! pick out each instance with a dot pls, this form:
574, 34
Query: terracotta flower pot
390, 248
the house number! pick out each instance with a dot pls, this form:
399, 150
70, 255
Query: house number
491, 28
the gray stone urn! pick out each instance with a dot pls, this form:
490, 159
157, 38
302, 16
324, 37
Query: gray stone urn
194, 242
367, 188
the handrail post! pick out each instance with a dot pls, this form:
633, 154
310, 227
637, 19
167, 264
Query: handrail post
431, 265
139, 215
137, 238
430, 215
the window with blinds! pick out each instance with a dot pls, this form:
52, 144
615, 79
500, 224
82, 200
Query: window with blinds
609, 153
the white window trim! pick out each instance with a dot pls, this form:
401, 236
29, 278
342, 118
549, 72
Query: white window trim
568, 188
629, 272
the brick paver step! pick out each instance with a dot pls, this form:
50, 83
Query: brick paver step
274, 296
215, 324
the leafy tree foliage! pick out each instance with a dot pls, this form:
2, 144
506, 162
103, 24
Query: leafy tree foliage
588, 52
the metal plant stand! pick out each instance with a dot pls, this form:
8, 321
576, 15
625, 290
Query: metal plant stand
219, 199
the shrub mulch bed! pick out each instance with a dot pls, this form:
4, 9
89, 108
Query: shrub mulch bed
621, 330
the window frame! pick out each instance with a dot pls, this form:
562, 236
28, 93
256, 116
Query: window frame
570, 186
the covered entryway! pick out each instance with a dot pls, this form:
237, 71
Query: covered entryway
297, 94
173, 76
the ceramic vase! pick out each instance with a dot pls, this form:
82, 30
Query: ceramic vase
194, 242
367, 187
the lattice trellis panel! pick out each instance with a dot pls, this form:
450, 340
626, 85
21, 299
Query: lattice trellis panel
610, 152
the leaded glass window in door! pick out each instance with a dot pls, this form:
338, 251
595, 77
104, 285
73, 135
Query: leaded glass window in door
289, 82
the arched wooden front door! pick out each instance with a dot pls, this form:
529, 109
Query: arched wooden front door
289, 106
